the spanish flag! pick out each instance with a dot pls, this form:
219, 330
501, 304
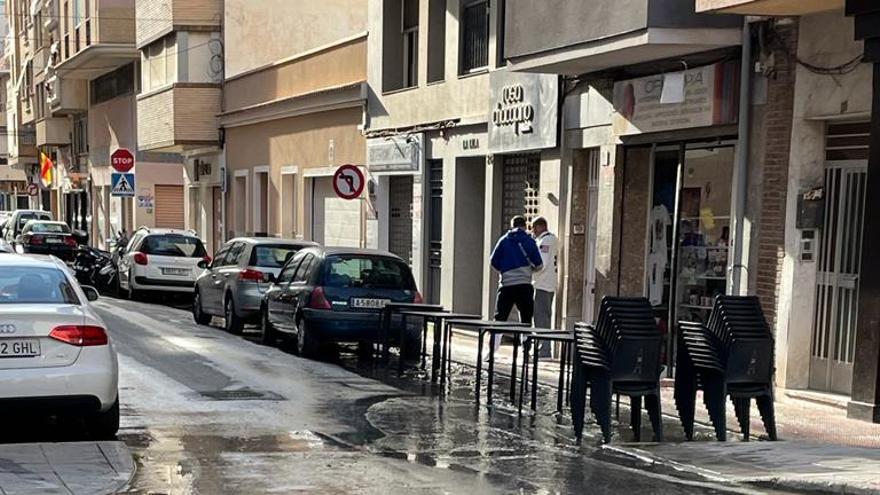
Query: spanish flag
47, 170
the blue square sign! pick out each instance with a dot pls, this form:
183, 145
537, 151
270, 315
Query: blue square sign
122, 185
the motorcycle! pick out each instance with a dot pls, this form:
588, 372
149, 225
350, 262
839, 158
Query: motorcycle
100, 267
87, 263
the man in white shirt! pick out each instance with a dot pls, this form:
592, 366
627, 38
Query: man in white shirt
545, 279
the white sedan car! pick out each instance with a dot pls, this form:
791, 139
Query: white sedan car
55, 354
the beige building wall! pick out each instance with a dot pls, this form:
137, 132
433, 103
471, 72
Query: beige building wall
261, 32
300, 142
825, 39
290, 123
111, 126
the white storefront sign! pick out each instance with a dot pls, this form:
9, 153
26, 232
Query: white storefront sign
523, 111
710, 98
396, 154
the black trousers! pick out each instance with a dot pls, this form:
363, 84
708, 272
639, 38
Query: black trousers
522, 296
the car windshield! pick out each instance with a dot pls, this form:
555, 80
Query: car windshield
35, 285
27, 217
272, 256
180, 246
373, 272
47, 228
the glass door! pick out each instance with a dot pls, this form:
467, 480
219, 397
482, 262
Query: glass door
703, 230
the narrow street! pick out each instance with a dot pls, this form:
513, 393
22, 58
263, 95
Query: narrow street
209, 412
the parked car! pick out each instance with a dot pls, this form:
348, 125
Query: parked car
327, 295
19, 219
55, 354
233, 284
47, 237
160, 260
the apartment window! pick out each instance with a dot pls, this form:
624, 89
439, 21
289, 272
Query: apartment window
40, 102
66, 30
436, 40
474, 36
38, 31
116, 83
410, 36
502, 29
159, 61
80, 135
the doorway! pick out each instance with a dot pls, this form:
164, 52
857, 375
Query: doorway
837, 281
469, 247
435, 230
400, 225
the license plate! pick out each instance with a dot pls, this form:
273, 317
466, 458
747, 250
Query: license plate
175, 271
364, 303
14, 348
53, 240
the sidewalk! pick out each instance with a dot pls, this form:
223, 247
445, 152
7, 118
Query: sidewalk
75, 468
820, 448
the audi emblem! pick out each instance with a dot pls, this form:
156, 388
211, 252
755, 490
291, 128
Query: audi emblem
6, 329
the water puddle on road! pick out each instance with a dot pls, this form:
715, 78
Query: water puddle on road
201, 461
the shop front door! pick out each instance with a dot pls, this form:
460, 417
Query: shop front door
400, 235
837, 291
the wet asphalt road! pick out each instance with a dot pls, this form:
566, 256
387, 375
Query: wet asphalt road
212, 413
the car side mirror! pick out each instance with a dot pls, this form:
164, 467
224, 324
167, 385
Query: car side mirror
91, 293
203, 264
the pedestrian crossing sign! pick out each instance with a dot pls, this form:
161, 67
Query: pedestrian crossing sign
122, 185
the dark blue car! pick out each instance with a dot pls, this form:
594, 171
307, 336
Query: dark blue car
325, 295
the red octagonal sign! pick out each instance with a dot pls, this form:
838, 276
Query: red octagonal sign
122, 160
348, 182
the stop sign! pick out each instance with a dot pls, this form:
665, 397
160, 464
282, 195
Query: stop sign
122, 160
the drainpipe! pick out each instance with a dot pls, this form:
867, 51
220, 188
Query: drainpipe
742, 160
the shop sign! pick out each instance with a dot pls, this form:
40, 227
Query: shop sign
395, 153
710, 98
522, 111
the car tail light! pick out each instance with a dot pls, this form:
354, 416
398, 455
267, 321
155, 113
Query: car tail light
319, 299
140, 258
418, 299
248, 275
80, 335
70, 241
36, 240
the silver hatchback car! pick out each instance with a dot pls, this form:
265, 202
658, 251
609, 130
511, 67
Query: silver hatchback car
233, 284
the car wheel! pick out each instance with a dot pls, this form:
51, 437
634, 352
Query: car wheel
104, 425
234, 324
120, 292
199, 316
306, 343
268, 334
133, 294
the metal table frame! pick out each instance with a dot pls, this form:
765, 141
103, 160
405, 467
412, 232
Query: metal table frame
535, 338
440, 350
385, 319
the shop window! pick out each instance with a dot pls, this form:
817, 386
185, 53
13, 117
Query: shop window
520, 187
436, 40
113, 84
474, 36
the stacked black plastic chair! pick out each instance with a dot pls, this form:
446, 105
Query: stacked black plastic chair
731, 356
620, 355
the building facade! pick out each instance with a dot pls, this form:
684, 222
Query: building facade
293, 110
456, 144
825, 326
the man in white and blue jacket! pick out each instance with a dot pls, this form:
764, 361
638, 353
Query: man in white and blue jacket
516, 257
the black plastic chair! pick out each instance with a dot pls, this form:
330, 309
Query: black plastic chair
619, 355
730, 356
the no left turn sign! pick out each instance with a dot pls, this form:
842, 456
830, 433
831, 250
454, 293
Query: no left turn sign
348, 182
